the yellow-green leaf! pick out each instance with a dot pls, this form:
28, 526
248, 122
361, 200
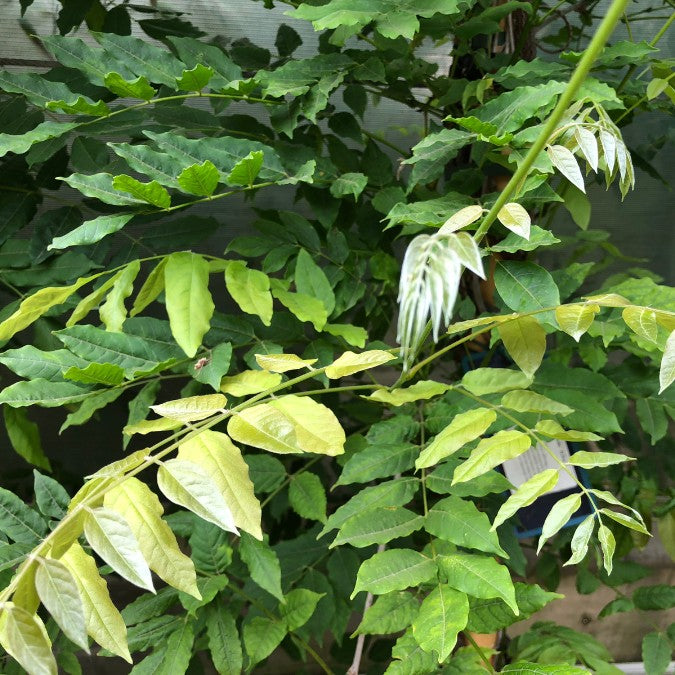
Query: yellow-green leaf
490, 452
150, 426
525, 341
425, 389
304, 307
191, 408
667, 370
249, 382
463, 217
58, 592
215, 453
464, 427
152, 193
558, 516
110, 536
139, 506
113, 313
250, 289
150, 289
246, 170
523, 400
104, 622
199, 179
493, 380
289, 424
187, 485
24, 637
575, 320
188, 300
589, 460
526, 494
350, 363
642, 321
34, 306
353, 335
282, 363
554, 430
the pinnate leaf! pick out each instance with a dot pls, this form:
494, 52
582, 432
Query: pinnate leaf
526, 494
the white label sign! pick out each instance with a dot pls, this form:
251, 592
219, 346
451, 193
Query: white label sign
536, 460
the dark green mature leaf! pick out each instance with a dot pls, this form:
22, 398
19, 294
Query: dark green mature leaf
19, 522
21, 143
656, 652
223, 639
378, 526
525, 287
432, 154
656, 597
489, 615
307, 496
24, 436
390, 613
263, 564
460, 522
377, 461
43, 393
394, 570
51, 497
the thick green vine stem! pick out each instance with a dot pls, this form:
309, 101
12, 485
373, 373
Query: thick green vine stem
596, 45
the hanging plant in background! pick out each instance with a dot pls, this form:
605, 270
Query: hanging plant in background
286, 495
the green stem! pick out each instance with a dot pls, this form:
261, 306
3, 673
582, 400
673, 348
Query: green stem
479, 651
596, 45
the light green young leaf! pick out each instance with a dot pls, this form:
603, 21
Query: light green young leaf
394, 570
525, 341
350, 363
479, 576
300, 604
422, 390
490, 452
138, 88
113, 313
465, 427
24, 436
443, 613
307, 496
667, 370
608, 545
460, 522
246, 170
104, 622
249, 382
196, 78
223, 638
282, 363
141, 509
526, 494
493, 380
91, 231
523, 400
558, 517
262, 563
580, 539
311, 280
199, 179
352, 335
563, 160
24, 637
575, 320
515, 218
150, 193
250, 289
463, 217
378, 526
188, 300
378, 461
145, 427
219, 458
191, 408
289, 424
110, 536
305, 307
59, 593
590, 460
626, 521
187, 485
588, 145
